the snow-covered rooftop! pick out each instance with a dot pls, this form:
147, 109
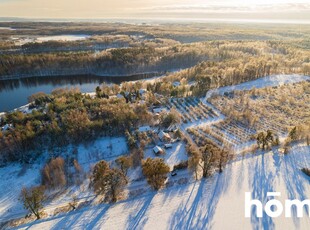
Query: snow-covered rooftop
145, 128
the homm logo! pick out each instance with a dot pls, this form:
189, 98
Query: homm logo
278, 206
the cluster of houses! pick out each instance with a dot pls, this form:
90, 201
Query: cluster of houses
163, 136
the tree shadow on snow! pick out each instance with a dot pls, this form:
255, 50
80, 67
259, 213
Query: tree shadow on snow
138, 220
295, 181
261, 180
82, 219
199, 209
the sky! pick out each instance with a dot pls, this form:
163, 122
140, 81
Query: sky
184, 9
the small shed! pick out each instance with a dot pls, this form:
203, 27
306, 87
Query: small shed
158, 150
144, 129
158, 110
168, 146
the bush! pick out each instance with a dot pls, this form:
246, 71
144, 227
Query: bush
53, 174
77, 175
181, 165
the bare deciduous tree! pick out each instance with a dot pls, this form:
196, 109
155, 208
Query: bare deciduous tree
32, 199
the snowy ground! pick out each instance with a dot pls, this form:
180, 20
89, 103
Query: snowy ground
104, 148
215, 203
12, 180
6, 28
274, 80
14, 177
173, 156
62, 38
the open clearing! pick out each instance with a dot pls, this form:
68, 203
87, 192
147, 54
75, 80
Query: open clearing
62, 38
204, 204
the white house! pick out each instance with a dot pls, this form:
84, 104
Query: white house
159, 110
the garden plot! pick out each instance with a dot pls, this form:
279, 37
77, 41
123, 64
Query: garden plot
229, 133
276, 108
192, 109
262, 123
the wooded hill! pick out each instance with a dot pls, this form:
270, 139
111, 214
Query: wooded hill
150, 48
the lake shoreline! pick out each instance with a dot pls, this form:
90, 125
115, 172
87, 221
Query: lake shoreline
19, 77
86, 83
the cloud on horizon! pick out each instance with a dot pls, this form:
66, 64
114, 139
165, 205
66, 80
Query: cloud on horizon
220, 8
157, 9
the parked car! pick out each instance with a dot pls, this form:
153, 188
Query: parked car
174, 173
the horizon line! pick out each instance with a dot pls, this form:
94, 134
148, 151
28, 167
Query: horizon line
166, 20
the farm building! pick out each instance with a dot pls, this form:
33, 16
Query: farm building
164, 136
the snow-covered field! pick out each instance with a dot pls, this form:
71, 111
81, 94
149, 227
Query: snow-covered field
214, 203
273, 80
173, 156
6, 28
62, 38
24, 40
103, 148
14, 177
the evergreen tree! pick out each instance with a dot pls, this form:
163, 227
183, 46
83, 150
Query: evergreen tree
155, 170
108, 182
